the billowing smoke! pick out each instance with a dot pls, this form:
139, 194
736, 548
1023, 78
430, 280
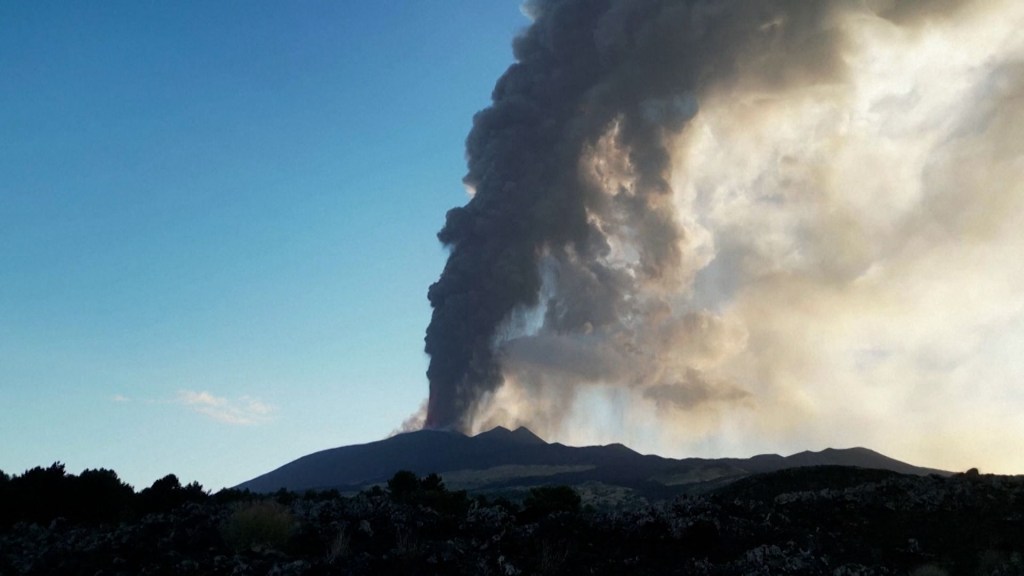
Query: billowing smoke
735, 225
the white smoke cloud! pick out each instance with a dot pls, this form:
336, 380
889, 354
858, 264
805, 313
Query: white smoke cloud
851, 266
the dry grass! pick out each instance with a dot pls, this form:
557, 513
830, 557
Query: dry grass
265, 524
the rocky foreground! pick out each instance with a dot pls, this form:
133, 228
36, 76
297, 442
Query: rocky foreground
821, 520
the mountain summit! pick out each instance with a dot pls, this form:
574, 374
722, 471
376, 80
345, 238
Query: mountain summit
509, 460
520, 435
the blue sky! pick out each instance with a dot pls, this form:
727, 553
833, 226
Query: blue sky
217, 224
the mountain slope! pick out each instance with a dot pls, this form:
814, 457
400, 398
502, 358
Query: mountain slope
502, 459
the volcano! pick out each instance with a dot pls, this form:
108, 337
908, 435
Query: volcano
509, 461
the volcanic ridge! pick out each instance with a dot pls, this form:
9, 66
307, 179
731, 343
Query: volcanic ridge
509, 461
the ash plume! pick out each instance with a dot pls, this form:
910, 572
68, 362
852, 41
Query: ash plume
713, 223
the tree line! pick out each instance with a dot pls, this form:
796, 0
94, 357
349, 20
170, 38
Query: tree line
41, 495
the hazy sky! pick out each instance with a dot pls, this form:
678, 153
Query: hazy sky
761, 226
217, 223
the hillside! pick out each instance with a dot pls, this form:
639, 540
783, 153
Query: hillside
818, 520
502, 460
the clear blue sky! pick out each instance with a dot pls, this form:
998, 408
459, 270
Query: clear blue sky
217, 223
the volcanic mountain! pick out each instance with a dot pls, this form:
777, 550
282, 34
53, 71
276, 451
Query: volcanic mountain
503, 460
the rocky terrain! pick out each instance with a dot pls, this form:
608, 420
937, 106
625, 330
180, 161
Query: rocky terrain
813, 520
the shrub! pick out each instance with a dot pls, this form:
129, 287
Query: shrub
264, 523
232, 495
547, 500
428, 491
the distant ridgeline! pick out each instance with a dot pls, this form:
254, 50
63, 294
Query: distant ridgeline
507, 462
499, 462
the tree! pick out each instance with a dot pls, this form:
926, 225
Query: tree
432, 483
6, 501
403, 485
545, 501
167, 493
40, 494
99, 496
